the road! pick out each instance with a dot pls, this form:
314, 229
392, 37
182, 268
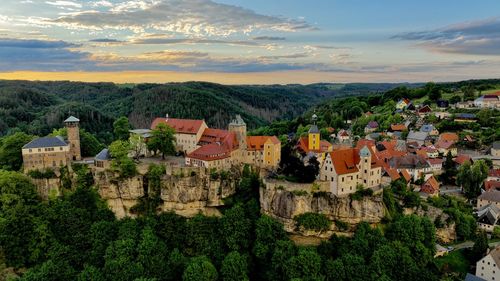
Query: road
469, 244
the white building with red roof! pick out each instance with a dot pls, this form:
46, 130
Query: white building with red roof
188, 132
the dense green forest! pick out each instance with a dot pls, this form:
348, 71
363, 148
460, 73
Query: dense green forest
76, 237
37, 108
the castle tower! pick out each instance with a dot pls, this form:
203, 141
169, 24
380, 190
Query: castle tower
365, 165
238, 126
314, 135
73, 126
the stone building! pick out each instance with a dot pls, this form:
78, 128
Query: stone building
488, 268
188, 132
345, 169
53, 152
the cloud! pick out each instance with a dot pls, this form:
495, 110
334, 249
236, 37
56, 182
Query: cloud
105, 40
291, 56
269, 38
171, 41
102, 3
475, 38
18, 54
64, 4
187, 17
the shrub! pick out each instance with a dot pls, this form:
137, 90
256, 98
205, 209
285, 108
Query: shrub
313, 221
341, 225
360, 193
213, 174
299, 192
46, 174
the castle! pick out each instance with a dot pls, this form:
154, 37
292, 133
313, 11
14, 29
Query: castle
220, 149
53, 152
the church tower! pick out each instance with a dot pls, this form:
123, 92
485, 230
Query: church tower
238, 126
314, 135
73, 126
365, 165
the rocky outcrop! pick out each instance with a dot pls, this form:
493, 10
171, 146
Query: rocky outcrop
285, 205
185, 192
444, 234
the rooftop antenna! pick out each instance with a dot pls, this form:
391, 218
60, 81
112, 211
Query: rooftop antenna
314, 118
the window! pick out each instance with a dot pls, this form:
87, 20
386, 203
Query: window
342, 181
366, 160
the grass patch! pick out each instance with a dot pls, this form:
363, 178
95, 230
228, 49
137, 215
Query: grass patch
455, 261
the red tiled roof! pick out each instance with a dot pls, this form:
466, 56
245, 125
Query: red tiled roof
448, 137
393, 173
435, 161
181, 126
365, 142
444, 144
257, 142
304, 145
398, 127
216, 150
425, 109
491, 185
494, 173
345, 160
406, 175
213, 135
344, 133
462, 158
422, 153
431, 186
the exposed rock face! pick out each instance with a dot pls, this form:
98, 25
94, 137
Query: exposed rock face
185, 195
285, 205
48, 187
445, 234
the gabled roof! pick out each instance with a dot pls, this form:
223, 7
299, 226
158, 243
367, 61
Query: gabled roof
216, 150
257, 142
444, 144
406, 175
103, 155
181, 126
409, 161
372, 124
213, 135
492, 195
491, 185
345, 160
424, 109
313, 129
462, 158
448, 137
494, 173
72, 119
393, 174
431, 184
419, 136
46, 142
398, 127
435, 161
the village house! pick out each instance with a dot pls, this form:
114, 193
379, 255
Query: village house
429, 129
419, 137
452, 137
53, 152
102, 161
436, 165
346, 169
415, 165
489, 197
488, 217
488, 267
343, 136
465, 104
465, 117
371, 127
430, 187
188, 132
264, 151
446, 146
313, 146
488, 101
402, 104
430, 151
424, 111
461, 159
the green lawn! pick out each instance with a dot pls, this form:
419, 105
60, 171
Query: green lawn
455, 261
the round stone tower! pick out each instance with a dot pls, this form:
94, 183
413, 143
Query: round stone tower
73, 126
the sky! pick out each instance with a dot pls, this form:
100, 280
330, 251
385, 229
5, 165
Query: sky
249, 41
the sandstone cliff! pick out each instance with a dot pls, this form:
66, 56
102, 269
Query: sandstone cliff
285, 205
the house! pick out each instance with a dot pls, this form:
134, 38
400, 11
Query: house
442, 103
490, 185
488, 217
398, 127
313, 145
430, 151
493, 175
188, 132
220, 154
263, 151
436, 165
446, 146
495, 149
102, 160
489, 197
465, 117
488, 267
488, 101
430, 129
418, 137
465, 104
371, 127
53, 152
343, 136
424, 111
452, 137
345, 169
415, 165
461, 159
402, 104
430, 187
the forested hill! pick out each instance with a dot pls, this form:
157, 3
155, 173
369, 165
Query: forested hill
38, 107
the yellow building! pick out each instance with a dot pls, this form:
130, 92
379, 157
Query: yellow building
263, 151
313, 145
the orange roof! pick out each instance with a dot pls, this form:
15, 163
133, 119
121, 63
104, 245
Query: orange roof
435, 161
444, 144
430, 186
406, 175
489, 185
365, 142
422, 153
213, 135
462, 158
257, 142
216, 150
345, 160
398, 127
448, 137
393, 174
181, 126
324, 146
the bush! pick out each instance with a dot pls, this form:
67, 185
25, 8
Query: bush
496, 232
360, 193
341, 225
299, 192
213, 174
46, 174
313, 221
